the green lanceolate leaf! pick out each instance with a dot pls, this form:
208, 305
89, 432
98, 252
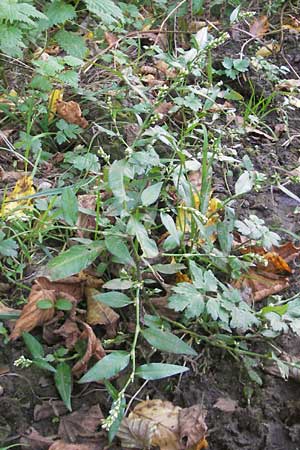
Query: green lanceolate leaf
151, 194
33, 345
169, 224
114, 299
69, 206
155, 371
117, 247
116, 180
44, 304
63, 383
148, 245
63, 304
107, 367
73, 260
167, 342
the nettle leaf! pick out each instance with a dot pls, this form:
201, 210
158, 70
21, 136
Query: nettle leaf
58, 12
117, 247
72, 43
187, 298
69, 206
114, 299
9, 247
242, 65
242, 317
156, 371
151, 194
149, 247
106, 10
11, 11
63, 383
107, 367
167, 342
72, 261
11, 40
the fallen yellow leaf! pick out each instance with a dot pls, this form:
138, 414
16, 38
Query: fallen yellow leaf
268, 50
55, 95
13, 205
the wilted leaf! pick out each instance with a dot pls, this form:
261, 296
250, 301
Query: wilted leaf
71, 113
86, 214
226, 404
111, 39
259, 27
99, 313
162, 424
12, 204
55, 96
35, 441
62, 445
70, 332
289, 84
80, 424
93, 349
192, 428
269, 279
268, 50
31, 315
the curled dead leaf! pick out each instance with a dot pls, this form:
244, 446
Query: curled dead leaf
100, 314
31, 315
162, 424
70, 332
35, 441
259, 27
62, 445
13, 204
86, 219
80, 424
71, 113
93, 349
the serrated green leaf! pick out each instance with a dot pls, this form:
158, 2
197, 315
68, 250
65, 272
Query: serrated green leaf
167, 342
72, 261
114, 299
9, 247
107, 367
63, 383
72, 43
106, 10
151, 194
156, 371
58, 12
69, 206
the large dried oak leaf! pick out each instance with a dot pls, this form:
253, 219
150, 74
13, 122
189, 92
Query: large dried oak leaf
71, 113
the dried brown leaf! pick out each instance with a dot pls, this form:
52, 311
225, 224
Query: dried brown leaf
192, 428
259, 27
111, 39
71, 113
33, 440
289, 84
226, 404
80, 424
71, 286
31, 315
85, 220
48, 409
93, 349
62, 445
100, 314
70, 332
162, 424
